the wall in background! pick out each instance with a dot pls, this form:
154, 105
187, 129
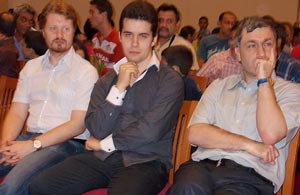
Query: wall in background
191, 10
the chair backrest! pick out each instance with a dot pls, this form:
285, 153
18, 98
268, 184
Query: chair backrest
182, 148
7, 88
201, 82
290, 167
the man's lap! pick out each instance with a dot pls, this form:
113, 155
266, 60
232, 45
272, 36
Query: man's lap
206, 177
85, 172
20, 175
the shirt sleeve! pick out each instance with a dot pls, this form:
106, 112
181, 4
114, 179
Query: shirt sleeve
84, 88
22, 91
107, 144
115, 97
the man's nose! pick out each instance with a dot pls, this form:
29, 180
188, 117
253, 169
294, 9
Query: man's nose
261, 53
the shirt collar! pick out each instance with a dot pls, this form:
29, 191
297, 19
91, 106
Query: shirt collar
239, 81
153, 61
64, 61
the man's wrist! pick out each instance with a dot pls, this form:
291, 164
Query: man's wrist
265, 80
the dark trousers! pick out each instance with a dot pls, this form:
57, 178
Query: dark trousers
84, 172
229, 178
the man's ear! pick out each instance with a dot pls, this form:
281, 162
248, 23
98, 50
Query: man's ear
154, 41
120, 36
178, 24
237, 53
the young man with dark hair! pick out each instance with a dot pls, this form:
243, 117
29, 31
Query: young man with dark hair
131, 118
106, 43
51, 100
9, 65
168, 24
243, 124
203, 24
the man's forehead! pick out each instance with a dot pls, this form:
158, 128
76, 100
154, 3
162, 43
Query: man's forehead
228, 16
262, 33
130, 24
26, 15
166, 14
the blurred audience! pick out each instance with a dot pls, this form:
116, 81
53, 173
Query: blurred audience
24, 16
9, 65
188, 33
180, 58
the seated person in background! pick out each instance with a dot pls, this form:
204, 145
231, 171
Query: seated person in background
106, 42
243, 124
24, 16
203, 31
286, 67
53, 92
33, 44
89, 33
80, 49
131, 118
214, 43
180, 58
188, 33
9, 65
222, 64
168, 24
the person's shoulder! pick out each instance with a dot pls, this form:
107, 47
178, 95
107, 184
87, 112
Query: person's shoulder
181, 41
282, 84
227, 82
210, 37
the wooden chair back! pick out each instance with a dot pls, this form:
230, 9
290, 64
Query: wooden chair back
182, 148
290, 167
7, 88
201, 82
184, 116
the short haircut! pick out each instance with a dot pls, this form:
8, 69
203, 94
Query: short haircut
250, 24
180, 56
203, 18
269, 18
221, 16
169, 7
140, 10
104, 6
186, 31
36, 41
58, 7
24, 8
7, 24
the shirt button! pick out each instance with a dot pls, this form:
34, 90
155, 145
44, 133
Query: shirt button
110, 114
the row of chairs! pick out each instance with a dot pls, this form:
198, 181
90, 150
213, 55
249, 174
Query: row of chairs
181, 147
